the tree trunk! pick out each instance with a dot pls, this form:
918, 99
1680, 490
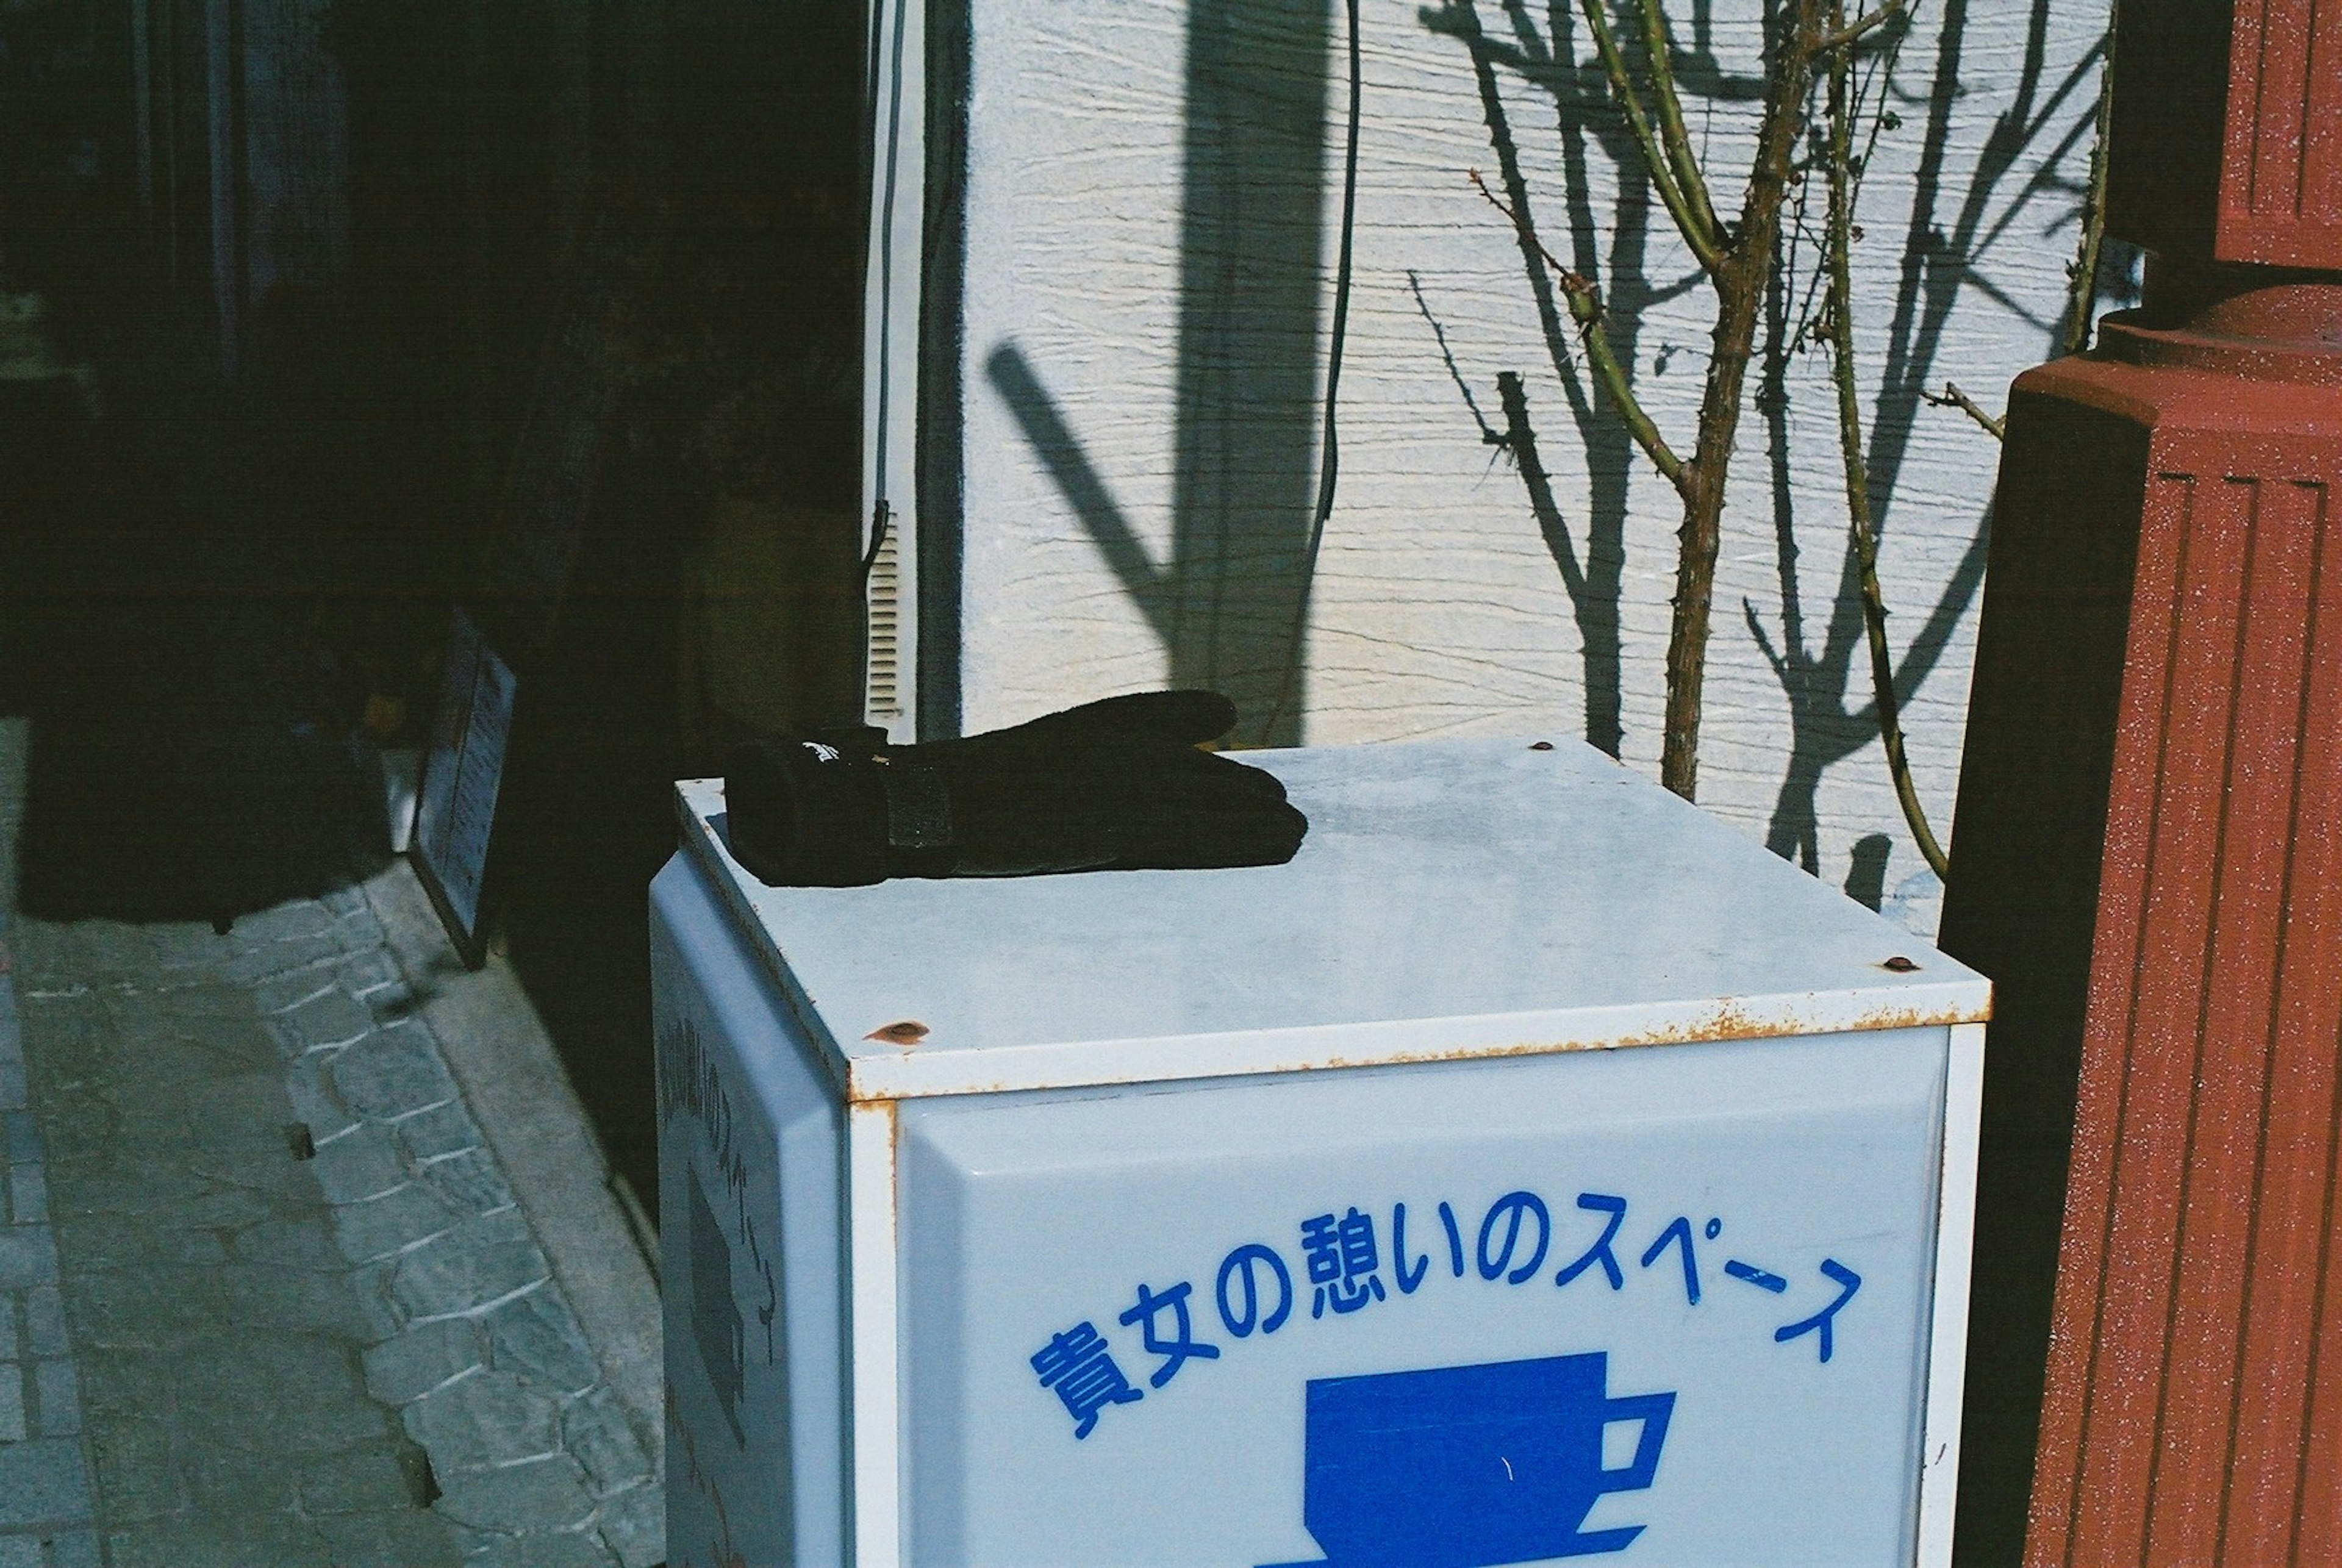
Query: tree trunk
1740, 294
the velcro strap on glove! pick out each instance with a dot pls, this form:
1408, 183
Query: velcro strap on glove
918, 816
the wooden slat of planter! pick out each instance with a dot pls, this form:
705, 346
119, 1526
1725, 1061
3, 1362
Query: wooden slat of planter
2280, 197
2290, 1219
2194, 1408
2150, 973
2200, 1363
2082, 1273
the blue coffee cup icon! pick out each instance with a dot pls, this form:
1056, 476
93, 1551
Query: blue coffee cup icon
1471, 1467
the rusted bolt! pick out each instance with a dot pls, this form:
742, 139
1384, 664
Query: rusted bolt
1900, 965
907, 1033
1540, 746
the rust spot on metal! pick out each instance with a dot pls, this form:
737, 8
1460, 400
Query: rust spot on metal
1728, 1023
907, 1033
1899, 964
1540, 746
893, 1146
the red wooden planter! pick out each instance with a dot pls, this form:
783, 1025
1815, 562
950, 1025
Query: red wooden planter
2148, 851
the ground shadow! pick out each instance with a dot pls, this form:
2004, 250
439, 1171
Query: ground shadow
158, 586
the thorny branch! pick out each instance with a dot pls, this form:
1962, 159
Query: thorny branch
2083, 290
1681, 155
1953, 397
1585, 309
1845, 34
1659, 158
1741, 274
1811, 39
1838, 115
1739, 259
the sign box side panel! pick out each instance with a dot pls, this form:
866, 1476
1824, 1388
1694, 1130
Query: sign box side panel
752, 1244
935, 1462
1674, 1303
1939, 1471
874, 1325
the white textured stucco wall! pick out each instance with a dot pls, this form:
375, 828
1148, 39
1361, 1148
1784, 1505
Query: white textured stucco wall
1143, 342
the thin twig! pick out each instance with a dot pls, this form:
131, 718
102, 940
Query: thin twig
1585, 302
1681, 157
1857, 479
1704, 242
1853, 32
2083, 290
1953, 397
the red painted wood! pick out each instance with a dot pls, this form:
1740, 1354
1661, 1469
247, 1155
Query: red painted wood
2280, 200
2200, 1369
2147, 987
2226, 141
2193, 1407
2294, 1255
2290, 1220
2161, 909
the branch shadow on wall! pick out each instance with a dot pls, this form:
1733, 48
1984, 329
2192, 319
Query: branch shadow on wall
1593, 579
1827, 726
1228, 607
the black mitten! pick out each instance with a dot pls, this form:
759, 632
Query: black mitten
1113, 784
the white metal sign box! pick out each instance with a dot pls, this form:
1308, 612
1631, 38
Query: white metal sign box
1318, 1214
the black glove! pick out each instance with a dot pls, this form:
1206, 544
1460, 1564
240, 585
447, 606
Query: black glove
1116, 785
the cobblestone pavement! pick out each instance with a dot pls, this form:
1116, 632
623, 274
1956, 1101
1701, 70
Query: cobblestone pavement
46, 1509
312, 1324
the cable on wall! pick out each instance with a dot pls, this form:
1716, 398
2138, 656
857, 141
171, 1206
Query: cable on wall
1329, 465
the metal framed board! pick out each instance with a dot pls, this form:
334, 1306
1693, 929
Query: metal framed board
462, 771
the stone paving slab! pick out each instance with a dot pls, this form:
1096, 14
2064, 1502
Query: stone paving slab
267, 1295
47, 1496
216, 1332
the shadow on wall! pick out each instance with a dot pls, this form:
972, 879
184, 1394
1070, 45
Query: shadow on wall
1248, 407
2044, 125
1559, 64
1228, 607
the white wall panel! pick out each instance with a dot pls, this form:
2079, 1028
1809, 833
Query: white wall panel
1152, 204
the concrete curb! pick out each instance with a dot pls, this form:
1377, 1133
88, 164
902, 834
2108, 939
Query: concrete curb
503, 1060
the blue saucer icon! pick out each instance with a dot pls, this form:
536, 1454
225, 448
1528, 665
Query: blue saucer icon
1471, 1467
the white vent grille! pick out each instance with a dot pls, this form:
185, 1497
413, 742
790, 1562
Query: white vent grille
882, 693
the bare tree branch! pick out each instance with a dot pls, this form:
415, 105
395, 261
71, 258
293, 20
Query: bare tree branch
1585, 302
1838, 116
1953, 397
1682, 157
2083, 294
1705, 243
1741, 277
1848, 34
